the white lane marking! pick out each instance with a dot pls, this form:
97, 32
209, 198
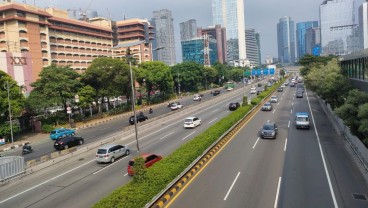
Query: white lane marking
231, 187
292, 104
285, 145
188, 135
167, 135
278, 103
277, 193
274, 111
51, 179
212, 120
104, 128
323, 158
289, 124
268, 121
126, 174
291, 111
215, 110
107, 166
255, 143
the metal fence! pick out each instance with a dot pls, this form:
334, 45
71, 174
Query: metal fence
11, 166
355, 143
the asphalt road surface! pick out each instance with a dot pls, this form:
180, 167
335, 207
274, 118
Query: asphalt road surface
301, 168
81, 182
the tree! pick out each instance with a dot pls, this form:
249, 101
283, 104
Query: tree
189, 75
308, 61
109, 77
222, 72
155, 75
236, 74
328, 82
86, 96
210, 75
17, 102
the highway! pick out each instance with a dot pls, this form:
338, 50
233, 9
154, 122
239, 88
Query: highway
108, 129
301, 168
81, 182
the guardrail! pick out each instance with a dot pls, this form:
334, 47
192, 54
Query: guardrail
10, 167
172, 188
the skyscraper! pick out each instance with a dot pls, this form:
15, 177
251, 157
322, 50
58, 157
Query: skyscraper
188, 29
258, 40
193, 50
301, 29
230, 14
252, 47
163, 22
363, 24
219, 34
338, 30
313, 41
286, 41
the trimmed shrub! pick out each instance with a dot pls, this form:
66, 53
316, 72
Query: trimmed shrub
245, 101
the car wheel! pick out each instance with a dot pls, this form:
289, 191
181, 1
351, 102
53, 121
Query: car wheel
127, 152
112, 160
80, 142
66, 147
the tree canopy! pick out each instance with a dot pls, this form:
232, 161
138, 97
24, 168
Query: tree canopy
189, 75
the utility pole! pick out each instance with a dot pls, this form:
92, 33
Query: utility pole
7, 88
179, 84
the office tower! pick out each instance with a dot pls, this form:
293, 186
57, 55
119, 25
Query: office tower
286, 41
163, 22
219, 34
230, 14
258, 41
195, 50
338, 31
313, 41
188, 29
301, 29
252, 47
363, 24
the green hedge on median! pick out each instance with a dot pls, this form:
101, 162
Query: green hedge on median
138, 194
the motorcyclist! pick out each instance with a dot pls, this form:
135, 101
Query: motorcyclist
150, 111
27, 148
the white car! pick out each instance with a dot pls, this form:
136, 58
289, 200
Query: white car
229, 88
253, 90
176, 106
192, 122
274, 99
196, 97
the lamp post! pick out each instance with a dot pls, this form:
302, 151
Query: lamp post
179, 85
128, 55
7, 88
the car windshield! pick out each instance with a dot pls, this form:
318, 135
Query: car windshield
53, 132
101, 151
267, 104
268, 127
188, 120
302, 118
273, 97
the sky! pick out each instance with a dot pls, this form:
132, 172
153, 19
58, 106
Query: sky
261, 15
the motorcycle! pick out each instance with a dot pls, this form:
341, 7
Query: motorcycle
27, 149
150, 111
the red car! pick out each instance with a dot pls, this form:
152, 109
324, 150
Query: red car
149, 160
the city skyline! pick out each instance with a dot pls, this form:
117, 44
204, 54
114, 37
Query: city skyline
262, 15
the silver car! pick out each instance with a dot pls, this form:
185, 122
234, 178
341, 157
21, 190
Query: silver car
111, 152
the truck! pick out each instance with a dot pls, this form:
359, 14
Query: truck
302, 120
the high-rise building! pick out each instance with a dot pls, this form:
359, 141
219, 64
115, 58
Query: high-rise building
313, 41
363, 24
219, 34
258, 41
286, 41
252, 47
195, 50
163, 22
188, 29
338, 30
301, 29
137, 35
230, 14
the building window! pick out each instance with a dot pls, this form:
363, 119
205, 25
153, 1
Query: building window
21, 14
42, 19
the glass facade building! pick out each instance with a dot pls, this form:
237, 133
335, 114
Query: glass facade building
301, 29
286, 41
230, 14
252, 47
163, 22
194, 50
258, 40
339, 33
313, 41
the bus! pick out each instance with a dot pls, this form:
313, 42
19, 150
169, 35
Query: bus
229, 85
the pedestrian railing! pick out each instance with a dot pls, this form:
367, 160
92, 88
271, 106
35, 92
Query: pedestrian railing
11, 166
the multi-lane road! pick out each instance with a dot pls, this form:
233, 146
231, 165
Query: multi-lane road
301, 168
81, 182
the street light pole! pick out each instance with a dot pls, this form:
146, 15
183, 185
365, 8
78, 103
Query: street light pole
133, 103
7, 87
179, 84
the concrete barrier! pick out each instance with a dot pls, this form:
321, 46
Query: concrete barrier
30, 163
44, 158
54, 155
64, 152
